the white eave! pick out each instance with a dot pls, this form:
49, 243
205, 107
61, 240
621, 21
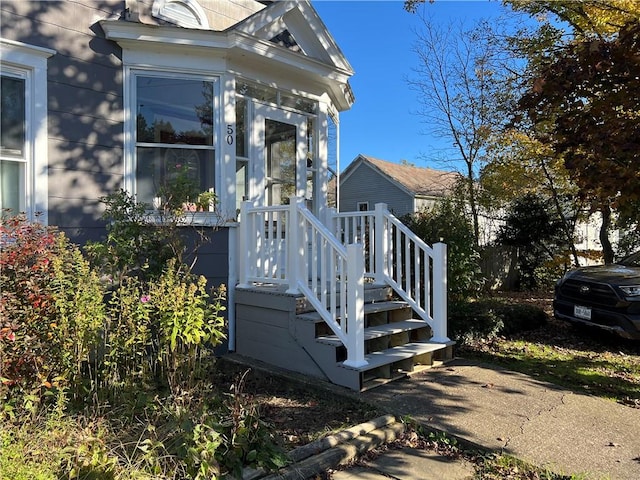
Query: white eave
233, 45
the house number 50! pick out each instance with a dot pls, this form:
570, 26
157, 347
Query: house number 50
229, 134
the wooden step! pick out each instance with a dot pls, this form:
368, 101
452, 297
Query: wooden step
379, 331
396, 354
368, 309
373, 292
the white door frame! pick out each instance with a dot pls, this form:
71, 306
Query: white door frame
257, 161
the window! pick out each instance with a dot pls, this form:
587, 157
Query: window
174, 138
363, 206
23, 128
242, 151
13, 147
185, 13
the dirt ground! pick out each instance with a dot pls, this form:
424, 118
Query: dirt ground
298, 410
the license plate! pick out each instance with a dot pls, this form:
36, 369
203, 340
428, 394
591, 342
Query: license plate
582, 312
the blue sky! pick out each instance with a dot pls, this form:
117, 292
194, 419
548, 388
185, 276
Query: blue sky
377, 38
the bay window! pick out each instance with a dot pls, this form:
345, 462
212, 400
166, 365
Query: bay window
175, 138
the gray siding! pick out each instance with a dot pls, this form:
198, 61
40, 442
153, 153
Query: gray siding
368, 185
85, 112
213, 253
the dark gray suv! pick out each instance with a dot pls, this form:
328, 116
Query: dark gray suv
603, 296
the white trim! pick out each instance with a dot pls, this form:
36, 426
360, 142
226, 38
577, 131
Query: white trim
233, 51
196, 18
31, 60
227, 158
262, 112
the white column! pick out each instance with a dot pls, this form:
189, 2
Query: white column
355, 307
247, 246
381, 243
440, 293
294, 239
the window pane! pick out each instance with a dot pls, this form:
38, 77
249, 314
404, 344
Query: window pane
176, 175
298, 103
174, 110
12, 116
258, 92
280, 147
11, 180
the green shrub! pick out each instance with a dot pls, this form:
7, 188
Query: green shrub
51, 312
469, 321
136, 245
189, 325
160, 333
448, 222
485, 319
537, 235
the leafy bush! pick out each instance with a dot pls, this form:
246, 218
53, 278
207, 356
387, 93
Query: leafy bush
486, 319
135, 244
447, 222
51, 312
537, 235
161, 332
61, 331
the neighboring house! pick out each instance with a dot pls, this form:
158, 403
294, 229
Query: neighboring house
404, 188
237, 97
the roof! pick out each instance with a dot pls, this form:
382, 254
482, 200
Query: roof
416, 180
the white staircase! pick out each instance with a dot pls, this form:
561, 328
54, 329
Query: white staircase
357, 315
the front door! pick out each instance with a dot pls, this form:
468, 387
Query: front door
280, 156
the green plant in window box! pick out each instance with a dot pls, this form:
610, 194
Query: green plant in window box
207, 201
180, 188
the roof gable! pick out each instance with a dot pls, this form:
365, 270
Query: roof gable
417, 181
296, 26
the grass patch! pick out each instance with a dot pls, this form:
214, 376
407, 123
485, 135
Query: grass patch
581, 360
499, 467
612, 375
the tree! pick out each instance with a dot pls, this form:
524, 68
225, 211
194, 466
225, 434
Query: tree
521, 165
586, 17
591, 92
458, 95
536, 235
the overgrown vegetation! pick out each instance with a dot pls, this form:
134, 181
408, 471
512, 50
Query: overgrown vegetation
105, 366
486, 319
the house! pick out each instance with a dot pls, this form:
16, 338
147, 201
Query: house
404, 188
242, 98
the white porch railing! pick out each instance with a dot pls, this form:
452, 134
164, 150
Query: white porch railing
394, 255
287, 245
